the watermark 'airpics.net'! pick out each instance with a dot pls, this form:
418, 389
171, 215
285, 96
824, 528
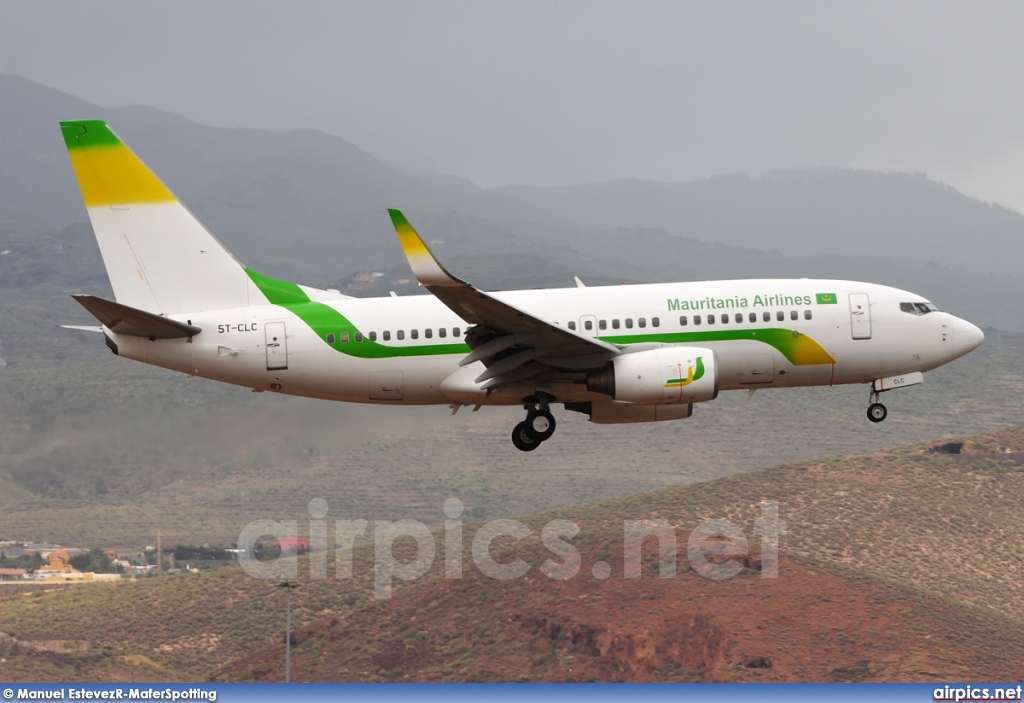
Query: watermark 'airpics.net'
715, 549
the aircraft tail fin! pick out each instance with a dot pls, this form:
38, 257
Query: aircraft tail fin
159, 257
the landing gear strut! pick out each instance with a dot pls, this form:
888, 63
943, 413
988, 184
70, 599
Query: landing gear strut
538, 426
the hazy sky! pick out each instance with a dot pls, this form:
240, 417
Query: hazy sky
563, 92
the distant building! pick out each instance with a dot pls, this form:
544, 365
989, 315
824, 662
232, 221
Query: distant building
60, 563
60, 569
12, 574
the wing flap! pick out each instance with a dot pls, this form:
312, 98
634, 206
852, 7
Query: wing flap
122, 319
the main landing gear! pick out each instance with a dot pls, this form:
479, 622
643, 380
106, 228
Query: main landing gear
538, 426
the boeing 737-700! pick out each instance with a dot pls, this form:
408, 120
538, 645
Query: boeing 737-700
630, 353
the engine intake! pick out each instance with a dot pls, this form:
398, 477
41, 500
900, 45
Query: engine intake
662, 376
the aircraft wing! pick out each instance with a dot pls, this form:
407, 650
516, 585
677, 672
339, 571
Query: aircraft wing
513, 344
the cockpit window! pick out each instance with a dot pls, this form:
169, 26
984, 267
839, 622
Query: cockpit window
918, 308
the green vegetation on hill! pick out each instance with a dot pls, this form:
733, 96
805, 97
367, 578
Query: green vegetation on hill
879, 580
878, 584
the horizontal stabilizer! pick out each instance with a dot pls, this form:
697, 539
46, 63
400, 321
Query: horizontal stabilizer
122, 319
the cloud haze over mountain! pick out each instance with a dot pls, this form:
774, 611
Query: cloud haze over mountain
569, 92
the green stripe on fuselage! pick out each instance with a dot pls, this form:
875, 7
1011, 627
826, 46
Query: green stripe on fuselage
277, 292
325, 320
799, 349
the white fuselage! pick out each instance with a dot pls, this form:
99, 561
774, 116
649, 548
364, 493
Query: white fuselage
777, 333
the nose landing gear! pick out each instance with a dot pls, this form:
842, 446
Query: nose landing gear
538, 426
877, 412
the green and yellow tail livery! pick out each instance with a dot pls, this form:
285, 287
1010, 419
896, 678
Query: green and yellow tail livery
108, 173
158, 256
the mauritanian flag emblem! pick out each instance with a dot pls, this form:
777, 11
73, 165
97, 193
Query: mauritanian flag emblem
826, 298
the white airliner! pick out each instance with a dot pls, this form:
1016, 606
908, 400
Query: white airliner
636, 353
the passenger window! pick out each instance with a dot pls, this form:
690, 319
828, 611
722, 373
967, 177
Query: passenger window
696, 319
725, 318
766, 316
739, 317
588, 325
372, 336
629, 323
414, 334
442, 332
780, 316
655, 322
682, 320
401, 334
344, 337
602, 324
456, 331
387, 335
752, 317
572, 325
428, 333
359, 336
807, 314
330, 338
615, 324
711, 319
642, 322
794, 315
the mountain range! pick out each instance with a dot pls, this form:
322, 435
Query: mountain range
311, 207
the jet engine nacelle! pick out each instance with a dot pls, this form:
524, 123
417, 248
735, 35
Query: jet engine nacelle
662, 376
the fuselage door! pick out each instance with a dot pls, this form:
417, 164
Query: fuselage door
588, 325
860, 316
277, 346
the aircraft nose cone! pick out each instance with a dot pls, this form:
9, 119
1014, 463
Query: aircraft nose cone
966, 337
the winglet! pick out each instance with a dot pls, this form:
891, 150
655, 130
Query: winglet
425, 266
